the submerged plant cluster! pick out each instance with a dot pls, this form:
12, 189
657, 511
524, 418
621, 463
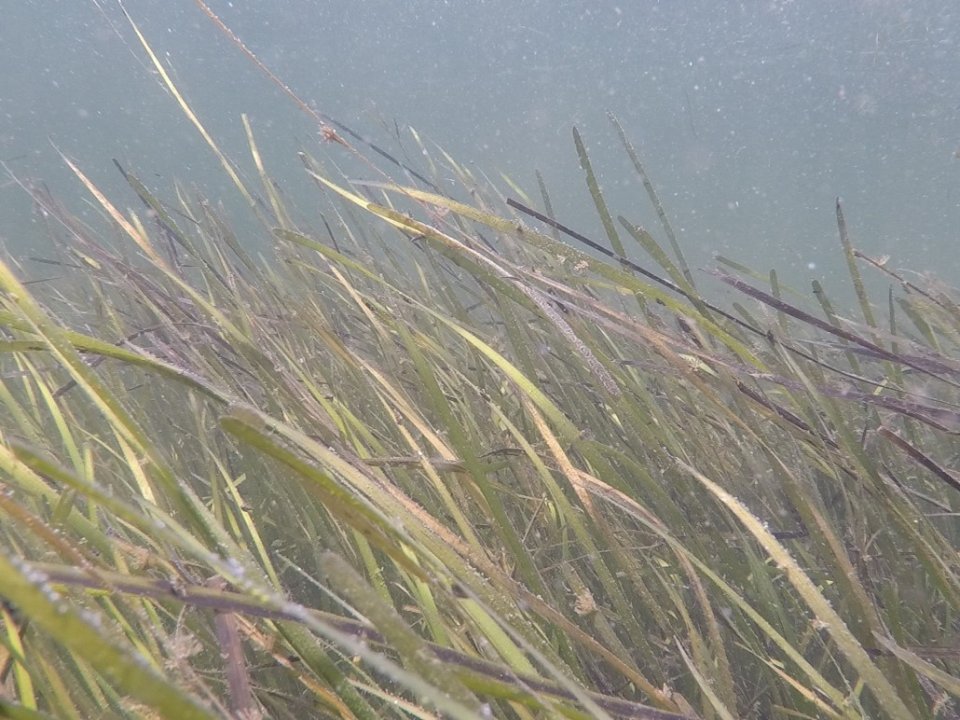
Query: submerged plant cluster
435, 460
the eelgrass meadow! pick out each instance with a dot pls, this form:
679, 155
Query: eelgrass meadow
440, 455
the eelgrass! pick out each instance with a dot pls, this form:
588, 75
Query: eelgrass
433, 460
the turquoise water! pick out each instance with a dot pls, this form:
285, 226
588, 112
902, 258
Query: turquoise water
751, 118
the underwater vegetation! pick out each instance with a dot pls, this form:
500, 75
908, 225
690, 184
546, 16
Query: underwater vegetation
436, 458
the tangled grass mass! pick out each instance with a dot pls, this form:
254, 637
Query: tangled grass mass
435, 458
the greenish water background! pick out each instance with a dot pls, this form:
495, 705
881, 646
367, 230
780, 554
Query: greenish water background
752, 117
